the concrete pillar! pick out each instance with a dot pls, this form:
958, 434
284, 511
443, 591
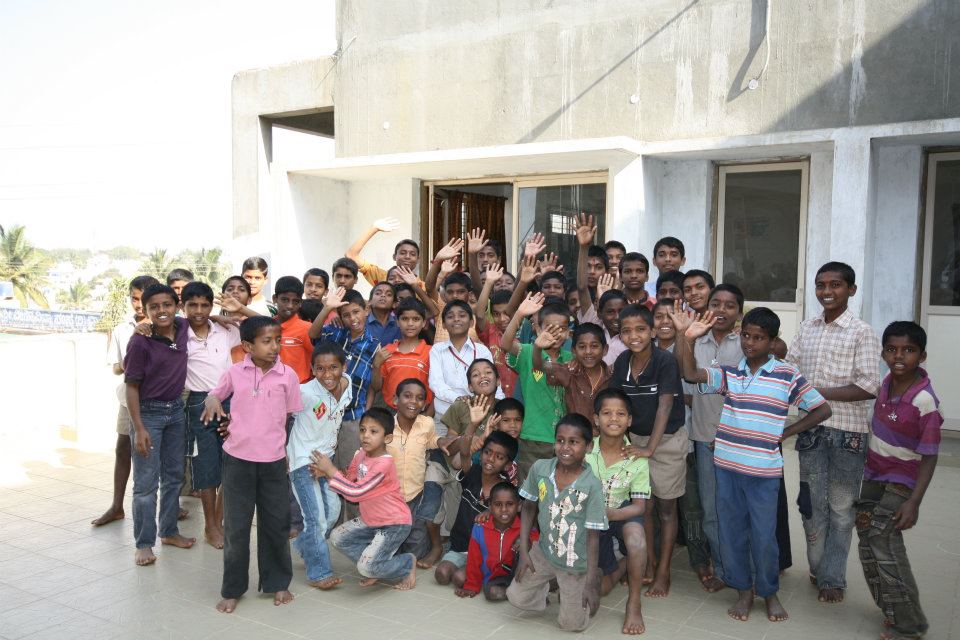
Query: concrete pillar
819, 214
632, 219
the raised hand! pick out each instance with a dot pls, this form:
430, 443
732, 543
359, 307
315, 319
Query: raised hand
493, 273
606, 283
531, 304
227, 302
549, 263
548, 337
386, 225
476, 240
450, 250
407, 275
534, 246
586, 230
528, 269
701, 325
493, 423
682, 319
447, 267
479, 406
334, 297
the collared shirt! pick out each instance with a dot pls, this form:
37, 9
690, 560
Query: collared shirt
661, 377
544, 404
845, 351
157, 364
755, 406
259, 404
384, 333
296, 348
579, 391
409, 451
622, 481
707, 406
208, 358
490, 336
564, 516
400, 366
615, 345
448, 372
903, 430
117, 350
359, 366
372, 483
315, 427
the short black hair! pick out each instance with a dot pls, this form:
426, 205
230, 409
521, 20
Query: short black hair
179, 274
505, 440
255, 263
406, 382
316, 271
252, 326
579, 422
765, 319
348, 264
553, 275
140, 283
155, 290
676, 277
699, 273
241, 280
310, 309
353, 297
411, 304
456, 304
500, 297
403, 286
509, 404
608, 297
635, 256
383, 283
458, 277
729, 288
482, 361
288, 284
616, 394
504, 486
908, 329
382, 417
662, 302
673, 243
596, 251
637, 311
589, 329
329, 349
553, 306
496, 246
196, 290
614, 244
846, 271
408, 241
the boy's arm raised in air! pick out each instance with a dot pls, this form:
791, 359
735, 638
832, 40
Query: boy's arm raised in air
558, 374
411, 279
479, 405
450, 251
385, 225
331, 302
689, 328
232, 305
480, 309
475, 241
586, 231
531, 304
528, 273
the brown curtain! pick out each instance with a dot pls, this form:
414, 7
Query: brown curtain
483, 211
486, 212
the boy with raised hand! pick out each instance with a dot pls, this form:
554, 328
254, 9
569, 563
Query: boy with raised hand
615, 253
119, 338
668, 255
902, 456
296, 348
634, 273
490, 329
544, 403
758, 393
409, 357
405, 254
626, 489
381, 323
837, 353
697, 285
584, 377
566, 499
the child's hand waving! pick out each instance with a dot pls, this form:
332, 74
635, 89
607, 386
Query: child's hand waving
534, 246
586, 230
479, 406
494, 272
548, 337
531, 304
476, 240
407, 275
606, 283
701, 325
449, 251
334, 298
386, 225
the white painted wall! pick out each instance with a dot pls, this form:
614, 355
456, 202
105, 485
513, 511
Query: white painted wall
686, 192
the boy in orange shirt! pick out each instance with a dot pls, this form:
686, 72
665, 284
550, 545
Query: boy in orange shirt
296, 348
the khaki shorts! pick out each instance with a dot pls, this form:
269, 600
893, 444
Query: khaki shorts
123, 421
668, 466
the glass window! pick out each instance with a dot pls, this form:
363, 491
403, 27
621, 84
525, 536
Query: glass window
552, 211
761, 233
945, 249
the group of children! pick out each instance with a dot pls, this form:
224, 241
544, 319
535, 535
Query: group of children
522, 434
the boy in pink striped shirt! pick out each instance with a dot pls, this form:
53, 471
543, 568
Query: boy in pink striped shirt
371, 480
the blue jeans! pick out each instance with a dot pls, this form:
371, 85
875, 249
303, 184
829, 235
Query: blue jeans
423, 508
321, 508
707, 483
831, 468
207, 466
747, 506
162, 467
374, 549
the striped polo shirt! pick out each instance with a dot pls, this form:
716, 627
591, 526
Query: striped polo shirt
755, 409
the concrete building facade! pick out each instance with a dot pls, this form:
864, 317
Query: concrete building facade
769, 136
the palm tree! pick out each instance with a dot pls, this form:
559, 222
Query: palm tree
76, 298
157, 264
23, 265
208, 268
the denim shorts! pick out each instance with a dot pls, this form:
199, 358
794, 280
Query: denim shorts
206, 466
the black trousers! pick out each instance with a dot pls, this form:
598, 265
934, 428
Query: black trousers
264, 487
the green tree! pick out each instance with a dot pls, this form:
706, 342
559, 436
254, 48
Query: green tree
157, 264
76, 298
24, 265
208, 267
116, 307
123, 253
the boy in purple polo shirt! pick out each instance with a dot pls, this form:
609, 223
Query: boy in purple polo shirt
902, 454
263, 391
155, 370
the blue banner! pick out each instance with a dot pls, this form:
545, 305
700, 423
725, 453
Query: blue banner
47, 321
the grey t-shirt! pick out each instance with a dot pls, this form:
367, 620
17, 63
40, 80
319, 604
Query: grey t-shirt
707, 406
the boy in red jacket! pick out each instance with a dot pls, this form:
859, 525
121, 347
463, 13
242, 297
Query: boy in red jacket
490, 557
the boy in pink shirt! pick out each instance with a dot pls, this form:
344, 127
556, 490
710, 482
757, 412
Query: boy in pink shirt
372, 539
263, 392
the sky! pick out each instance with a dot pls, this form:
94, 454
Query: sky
115, 116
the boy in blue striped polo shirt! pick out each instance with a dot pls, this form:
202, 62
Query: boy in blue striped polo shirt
757, 395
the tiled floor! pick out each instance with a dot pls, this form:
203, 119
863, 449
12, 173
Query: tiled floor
59, 578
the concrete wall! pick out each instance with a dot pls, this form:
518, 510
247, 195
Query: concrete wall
468, 73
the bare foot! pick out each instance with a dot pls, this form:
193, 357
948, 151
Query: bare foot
775, 610
831, 596
326, 583
183, 513
179, 541
710, 582
227, 605
431, 558
144, 556
648, 573
410, 581
214, 537
660, 588
741, 609
110, 515
633, 619
368, 582
282, 597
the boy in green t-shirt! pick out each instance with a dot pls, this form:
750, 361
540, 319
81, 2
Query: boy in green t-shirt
566, 499
626, 489
544, 403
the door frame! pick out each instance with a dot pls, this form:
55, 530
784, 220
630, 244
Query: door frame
931, 178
